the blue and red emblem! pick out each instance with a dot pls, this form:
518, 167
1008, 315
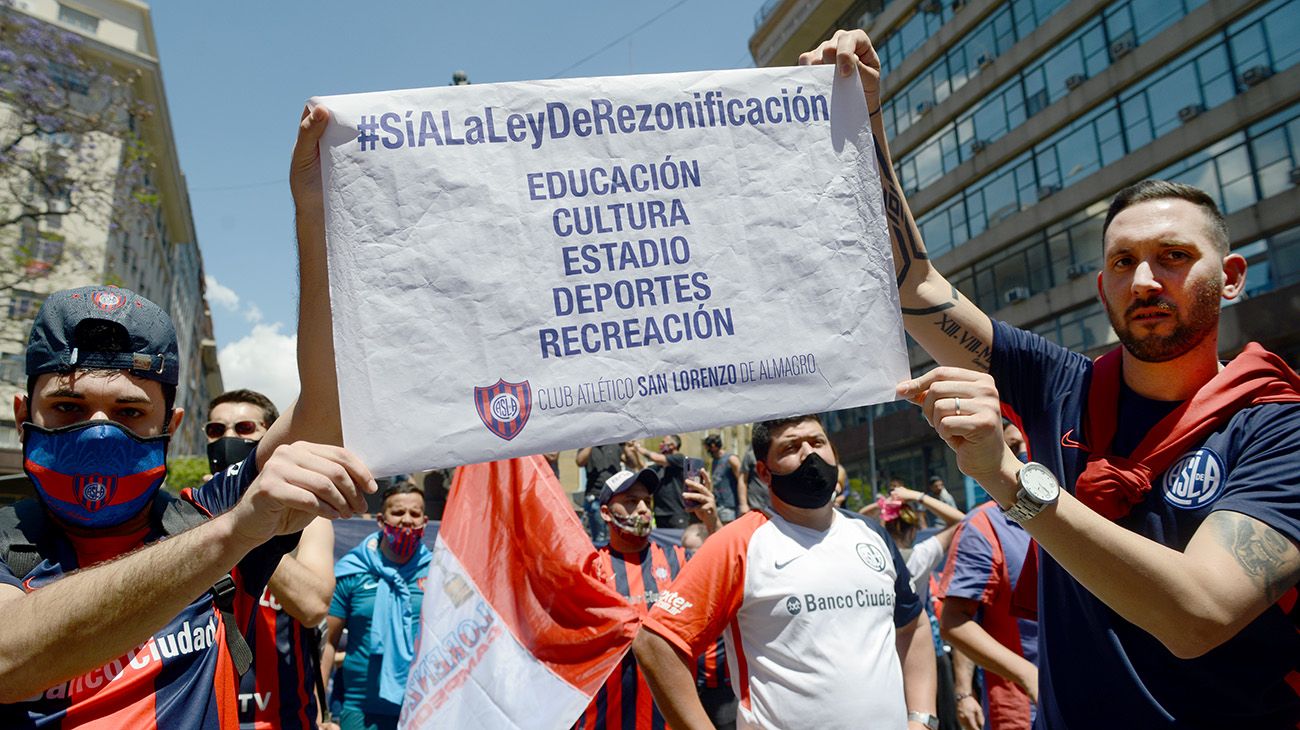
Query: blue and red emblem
107, 300
94, 490
504, 407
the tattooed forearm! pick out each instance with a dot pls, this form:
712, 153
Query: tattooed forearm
902, 230
1265, 555
956, 297
982, 351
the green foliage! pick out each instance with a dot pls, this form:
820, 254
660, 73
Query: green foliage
185, 471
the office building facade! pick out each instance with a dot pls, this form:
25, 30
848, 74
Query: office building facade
1013, 122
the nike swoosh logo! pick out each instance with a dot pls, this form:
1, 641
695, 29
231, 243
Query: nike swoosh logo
780, 565
1068, 442
368, 586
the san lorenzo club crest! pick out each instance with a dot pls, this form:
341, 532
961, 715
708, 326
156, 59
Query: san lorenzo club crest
107, 300
872, 556
504, 407
94, 491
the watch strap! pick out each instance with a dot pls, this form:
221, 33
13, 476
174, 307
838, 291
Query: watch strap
926, 719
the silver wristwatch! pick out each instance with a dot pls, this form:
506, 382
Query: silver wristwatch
925, 719
1038, 488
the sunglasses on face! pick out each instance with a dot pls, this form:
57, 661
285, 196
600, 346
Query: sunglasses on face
217, 429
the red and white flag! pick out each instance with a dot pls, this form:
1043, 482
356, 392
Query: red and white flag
516, 632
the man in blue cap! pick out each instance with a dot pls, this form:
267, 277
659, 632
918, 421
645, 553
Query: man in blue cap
102, 623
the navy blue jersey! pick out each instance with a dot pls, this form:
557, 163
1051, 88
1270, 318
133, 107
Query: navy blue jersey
1097, 670
182, 676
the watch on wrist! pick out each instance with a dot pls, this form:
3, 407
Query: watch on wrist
924, 718
1038, 489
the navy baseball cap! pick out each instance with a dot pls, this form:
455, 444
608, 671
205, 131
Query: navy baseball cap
103, 327
623, 481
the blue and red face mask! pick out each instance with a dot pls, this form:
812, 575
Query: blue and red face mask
95, 474
403, 541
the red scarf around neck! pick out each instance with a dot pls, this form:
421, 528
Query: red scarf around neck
1111, 485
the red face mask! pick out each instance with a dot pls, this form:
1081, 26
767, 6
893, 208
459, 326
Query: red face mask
403, 541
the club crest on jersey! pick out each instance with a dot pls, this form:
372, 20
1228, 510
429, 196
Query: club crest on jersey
93, 490
107, 300
1195, 480
872, 556
504, 407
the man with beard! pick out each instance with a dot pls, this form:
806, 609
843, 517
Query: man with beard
1168, 562
639, 568
820, 622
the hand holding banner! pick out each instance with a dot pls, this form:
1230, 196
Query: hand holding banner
518, 268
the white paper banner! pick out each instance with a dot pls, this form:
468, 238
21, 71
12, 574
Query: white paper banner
527, 267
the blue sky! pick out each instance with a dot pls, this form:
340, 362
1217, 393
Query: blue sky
237, 75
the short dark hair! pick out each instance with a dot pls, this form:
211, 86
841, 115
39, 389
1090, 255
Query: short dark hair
712, 440
403, 487
676, 439
243, 395
762, 438
1164, 189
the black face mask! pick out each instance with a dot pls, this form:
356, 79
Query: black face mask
810, 486
228, 450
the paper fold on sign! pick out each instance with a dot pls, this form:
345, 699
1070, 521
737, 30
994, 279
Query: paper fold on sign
527, 267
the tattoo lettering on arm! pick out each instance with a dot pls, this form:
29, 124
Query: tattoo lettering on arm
952, 328
1264, 554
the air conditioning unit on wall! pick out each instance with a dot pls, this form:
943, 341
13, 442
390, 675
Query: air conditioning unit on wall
1190, 112
1077, 270
1255, 75
1015, 294
1121, 48
1074, 81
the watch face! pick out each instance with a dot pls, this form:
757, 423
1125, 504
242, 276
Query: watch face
1039, 483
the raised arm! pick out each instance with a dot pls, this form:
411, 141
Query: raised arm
123, 602
946, 512
315, 415
304, 580
948, 325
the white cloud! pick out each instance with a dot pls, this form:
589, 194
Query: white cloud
221, 294
253, 313
266, 361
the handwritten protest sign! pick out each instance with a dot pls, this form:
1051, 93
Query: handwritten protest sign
525, 267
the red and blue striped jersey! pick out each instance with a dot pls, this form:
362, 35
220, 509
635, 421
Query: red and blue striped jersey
183, 675
984, 565
625, 702
279, 692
